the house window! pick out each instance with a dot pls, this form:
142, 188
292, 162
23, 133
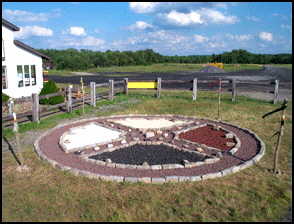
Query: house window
4, 79
33, 75
3, 52
20, 76
26, 75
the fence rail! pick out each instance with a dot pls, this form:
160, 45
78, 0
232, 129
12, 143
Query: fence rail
118, 86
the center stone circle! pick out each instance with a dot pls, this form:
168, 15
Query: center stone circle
144, 145
180, 134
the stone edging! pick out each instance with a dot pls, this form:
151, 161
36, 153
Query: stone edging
153, 180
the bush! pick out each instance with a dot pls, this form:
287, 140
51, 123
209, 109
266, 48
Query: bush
48, 88
5, 97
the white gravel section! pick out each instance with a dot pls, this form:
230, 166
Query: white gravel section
89, 135
148, 124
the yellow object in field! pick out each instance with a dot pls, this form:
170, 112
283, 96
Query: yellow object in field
218, 65
142, 85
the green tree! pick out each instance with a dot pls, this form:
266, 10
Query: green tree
48, 88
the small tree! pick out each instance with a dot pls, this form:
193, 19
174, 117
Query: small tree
5, 97
48, 88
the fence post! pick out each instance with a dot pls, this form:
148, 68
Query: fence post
194, 88
93, 94
126, 81
233, 90
276, 91
68, 100
111, 89
158, 87
35, 101
10, 107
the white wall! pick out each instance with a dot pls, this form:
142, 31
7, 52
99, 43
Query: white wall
18, 56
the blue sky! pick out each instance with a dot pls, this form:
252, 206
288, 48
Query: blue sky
169, 28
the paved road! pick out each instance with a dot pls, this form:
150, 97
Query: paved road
267, 74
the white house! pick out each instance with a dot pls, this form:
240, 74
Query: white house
21, 65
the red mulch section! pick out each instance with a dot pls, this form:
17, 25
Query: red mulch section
208, 136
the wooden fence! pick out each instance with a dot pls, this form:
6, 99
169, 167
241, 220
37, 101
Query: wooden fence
118, 86
69, 100
231, 86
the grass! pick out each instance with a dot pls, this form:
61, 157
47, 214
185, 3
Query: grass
252, 195
289, 66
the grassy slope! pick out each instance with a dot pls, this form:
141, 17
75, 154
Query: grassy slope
254, 194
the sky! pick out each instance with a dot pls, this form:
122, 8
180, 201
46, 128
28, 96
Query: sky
168, 28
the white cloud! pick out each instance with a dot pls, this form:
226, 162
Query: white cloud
139, 25
142, 7
184, 14
24, 16
28, 31
77, 31
252, 18
92, 41
181, 19
266, 36
200, 39
287, 27
238, 37
216, 45
216, 17
194, 19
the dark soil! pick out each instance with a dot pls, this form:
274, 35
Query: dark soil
152, 154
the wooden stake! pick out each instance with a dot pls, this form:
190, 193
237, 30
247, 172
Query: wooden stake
15, 129
276, 171
83, 95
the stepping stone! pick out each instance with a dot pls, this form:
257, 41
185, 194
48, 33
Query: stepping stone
216, 128
199, 150
230, 144
229, 135
79, 152
96, 148
108, 161
149, 134
145, 164
159, 132
219, 154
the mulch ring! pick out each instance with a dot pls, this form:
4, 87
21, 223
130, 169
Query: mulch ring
251, 147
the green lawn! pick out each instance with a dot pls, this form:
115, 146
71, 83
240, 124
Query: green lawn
252, 195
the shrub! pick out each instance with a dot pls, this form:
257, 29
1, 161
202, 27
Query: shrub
48, 88
5, 97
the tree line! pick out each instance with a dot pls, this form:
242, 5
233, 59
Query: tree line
73, 59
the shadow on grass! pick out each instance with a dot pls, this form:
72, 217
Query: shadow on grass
10, 148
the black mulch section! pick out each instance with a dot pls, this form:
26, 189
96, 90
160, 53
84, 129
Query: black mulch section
152, 154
